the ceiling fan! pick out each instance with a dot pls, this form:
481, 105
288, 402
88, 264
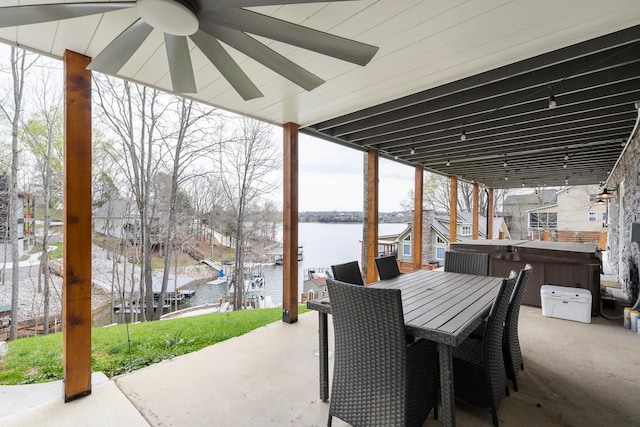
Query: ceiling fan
206, 23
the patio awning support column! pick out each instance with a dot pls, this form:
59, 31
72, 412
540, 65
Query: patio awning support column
370, 231
476, 211
417, 217
490, 204
290, 224
453, 209
76, 294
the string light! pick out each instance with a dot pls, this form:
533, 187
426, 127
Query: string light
413, 150
448, 163
564, 165
552, 100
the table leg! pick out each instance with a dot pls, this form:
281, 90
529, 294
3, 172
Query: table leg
446, 385
324, 356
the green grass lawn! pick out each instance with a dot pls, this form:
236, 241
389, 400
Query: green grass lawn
39, 359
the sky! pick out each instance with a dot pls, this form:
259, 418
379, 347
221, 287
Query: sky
331, 177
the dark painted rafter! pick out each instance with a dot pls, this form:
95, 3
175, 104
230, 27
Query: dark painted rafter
505, 113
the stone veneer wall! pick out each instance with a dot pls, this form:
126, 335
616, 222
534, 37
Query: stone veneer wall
627, 171
427, 236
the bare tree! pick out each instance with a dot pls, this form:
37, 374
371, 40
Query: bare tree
160, 136
187, 145
19, 67
130, 112
437, 194
248, 163
43, 136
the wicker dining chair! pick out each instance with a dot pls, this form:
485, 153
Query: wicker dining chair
378, 378
478, 364
348, 272
387, 267
511, 344
467, 263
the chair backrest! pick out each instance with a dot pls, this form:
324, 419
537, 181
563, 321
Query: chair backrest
513, 312
370, 349
349, 272
467, 262
518, 292
492, 340
387, 267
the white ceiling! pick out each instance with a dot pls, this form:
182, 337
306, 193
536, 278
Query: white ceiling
423, 44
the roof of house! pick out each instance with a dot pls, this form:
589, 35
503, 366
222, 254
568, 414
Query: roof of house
440, 225
544, 197
117, 209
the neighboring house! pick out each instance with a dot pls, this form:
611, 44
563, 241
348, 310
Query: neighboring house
570, 214
114, 216
436, 236
118, 218
516, 209
575, 217
25, 215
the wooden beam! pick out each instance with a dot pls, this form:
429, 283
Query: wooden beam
476, 211
453, 209
290, 224
76, 294
490, 204
417, 217
370, 246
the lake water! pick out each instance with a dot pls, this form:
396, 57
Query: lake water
324, 245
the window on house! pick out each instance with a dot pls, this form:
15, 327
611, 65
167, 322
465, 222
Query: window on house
543, 220
440, 253
604, 217
466, 230
406, 250
408, 238
593, 216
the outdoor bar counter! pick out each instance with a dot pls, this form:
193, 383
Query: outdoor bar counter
576, 265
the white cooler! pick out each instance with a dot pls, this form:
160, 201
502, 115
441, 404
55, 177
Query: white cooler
566, 303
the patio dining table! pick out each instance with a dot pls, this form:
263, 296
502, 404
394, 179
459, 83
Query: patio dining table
439, 306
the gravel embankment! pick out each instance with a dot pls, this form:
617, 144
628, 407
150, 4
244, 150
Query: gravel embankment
32, 302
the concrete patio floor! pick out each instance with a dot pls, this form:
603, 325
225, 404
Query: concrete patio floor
576, 373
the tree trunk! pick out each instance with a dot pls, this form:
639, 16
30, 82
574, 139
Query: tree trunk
18, 72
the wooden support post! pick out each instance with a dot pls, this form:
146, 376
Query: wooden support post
417, 217
476, 211
453, 210
290, 224
490, 204
76, 294
370, 247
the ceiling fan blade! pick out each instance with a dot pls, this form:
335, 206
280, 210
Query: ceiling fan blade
180, 66
121, 49
222, 4
221, 59
12, 16
264, 55
293, 34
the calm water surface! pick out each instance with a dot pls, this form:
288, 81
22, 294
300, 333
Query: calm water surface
324, 245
